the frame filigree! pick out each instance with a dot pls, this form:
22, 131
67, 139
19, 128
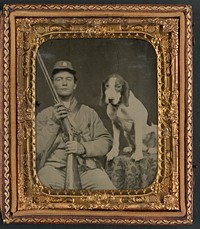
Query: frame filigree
161, 26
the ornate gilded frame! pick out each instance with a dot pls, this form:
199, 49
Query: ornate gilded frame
168, 28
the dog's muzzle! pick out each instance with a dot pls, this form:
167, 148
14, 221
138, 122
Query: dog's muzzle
110, 100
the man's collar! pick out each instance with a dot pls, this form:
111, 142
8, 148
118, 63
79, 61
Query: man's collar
73, 104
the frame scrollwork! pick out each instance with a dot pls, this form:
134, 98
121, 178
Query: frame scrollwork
168, 30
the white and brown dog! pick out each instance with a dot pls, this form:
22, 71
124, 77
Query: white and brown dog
127, 113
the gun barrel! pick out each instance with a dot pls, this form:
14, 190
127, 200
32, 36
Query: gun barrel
48, 80
71, 165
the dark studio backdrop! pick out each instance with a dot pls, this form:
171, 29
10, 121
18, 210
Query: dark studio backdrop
93, 60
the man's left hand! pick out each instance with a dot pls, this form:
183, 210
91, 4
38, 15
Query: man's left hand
74, 147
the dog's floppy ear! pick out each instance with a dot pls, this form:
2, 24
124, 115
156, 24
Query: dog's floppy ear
102, 97
125, 93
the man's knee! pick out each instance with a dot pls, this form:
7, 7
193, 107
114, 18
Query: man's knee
51, 177
96, 179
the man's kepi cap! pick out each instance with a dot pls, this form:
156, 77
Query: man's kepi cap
63, 65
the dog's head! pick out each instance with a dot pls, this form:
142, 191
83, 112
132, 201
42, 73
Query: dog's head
114, 91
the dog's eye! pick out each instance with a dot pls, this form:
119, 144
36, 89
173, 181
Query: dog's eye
118, 87
106, 85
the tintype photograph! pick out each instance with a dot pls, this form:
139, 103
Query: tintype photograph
104, 87
97, 114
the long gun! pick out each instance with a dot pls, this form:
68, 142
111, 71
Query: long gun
71, 181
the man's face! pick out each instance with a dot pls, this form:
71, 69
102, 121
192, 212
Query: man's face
64, 83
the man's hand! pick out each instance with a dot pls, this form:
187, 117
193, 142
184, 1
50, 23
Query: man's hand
59, 112
74, 147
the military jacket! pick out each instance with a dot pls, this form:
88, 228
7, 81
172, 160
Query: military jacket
93, 135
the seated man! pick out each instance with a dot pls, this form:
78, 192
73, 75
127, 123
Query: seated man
53, 146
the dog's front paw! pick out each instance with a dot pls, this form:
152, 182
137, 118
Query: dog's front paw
112, 154
137, 156
127, 149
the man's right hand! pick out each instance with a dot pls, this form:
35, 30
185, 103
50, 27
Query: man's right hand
59, 112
